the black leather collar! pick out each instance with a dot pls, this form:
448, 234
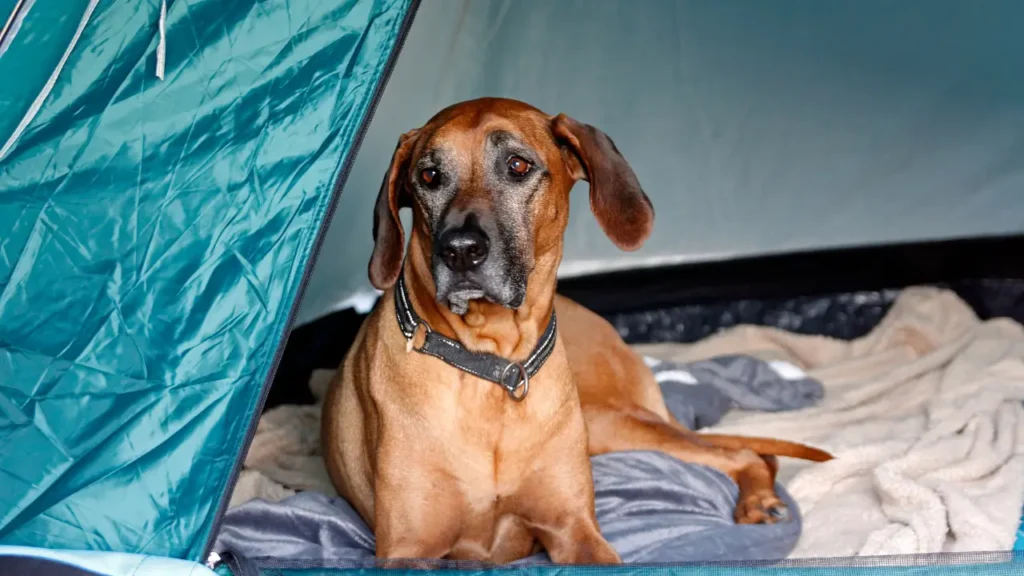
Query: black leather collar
514, 377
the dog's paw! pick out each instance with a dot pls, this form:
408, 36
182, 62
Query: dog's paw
761, 508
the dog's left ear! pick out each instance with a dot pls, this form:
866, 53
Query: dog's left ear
618, 202
388, 235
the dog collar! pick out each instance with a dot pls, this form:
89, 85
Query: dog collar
514, 377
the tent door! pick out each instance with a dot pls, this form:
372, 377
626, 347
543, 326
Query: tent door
339, 184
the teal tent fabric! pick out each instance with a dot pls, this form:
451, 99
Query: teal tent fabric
154, 237
1019, 543
33, 52
105, 563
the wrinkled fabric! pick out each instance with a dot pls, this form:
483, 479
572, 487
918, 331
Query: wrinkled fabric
153, 236
44, 562
732, 380
651, 508
925, 419
952, 564
30, 52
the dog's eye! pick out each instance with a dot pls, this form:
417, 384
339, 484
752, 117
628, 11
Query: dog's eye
430, 177
517, 166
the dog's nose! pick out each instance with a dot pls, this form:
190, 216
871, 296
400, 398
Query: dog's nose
464, 248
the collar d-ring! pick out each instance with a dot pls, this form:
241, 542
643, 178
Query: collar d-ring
521, 388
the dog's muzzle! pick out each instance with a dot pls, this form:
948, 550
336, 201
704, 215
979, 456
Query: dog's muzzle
472, 262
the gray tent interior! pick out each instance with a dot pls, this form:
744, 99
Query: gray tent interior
756, 127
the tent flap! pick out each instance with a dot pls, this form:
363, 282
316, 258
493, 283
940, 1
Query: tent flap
154, 237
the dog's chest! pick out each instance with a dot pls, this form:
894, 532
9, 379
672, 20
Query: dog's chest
491, 477
490, 434
468, 444
486, 440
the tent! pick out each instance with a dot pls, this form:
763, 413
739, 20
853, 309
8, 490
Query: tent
184, 182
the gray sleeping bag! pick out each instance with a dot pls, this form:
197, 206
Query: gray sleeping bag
651, 507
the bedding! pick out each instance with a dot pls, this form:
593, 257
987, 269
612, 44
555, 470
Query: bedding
924, 414
651, 507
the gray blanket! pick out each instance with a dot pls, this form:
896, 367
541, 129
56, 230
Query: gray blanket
651, 507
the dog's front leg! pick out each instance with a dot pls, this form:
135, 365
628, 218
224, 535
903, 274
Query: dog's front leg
557, 501
576, 541
415, 511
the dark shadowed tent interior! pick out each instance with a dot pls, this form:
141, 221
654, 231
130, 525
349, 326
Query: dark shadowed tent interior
186, 200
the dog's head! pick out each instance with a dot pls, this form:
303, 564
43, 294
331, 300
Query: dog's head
488, 181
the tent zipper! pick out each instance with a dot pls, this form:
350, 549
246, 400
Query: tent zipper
339, 183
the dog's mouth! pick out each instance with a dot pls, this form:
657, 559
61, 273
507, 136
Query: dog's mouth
499, 279
456, 294
461, 294
474, 258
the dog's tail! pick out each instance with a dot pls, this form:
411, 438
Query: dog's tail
767, 447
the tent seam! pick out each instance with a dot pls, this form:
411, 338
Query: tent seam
13, 24
37, 104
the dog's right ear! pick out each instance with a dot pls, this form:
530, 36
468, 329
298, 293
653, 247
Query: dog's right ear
388, 235
618, 202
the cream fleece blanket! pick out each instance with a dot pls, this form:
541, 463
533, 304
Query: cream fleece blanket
284, 457
924, 415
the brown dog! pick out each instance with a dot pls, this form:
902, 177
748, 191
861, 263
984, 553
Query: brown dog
442, 463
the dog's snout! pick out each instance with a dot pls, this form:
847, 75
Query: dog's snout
464, 248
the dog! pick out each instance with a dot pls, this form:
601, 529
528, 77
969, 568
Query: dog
462, 419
